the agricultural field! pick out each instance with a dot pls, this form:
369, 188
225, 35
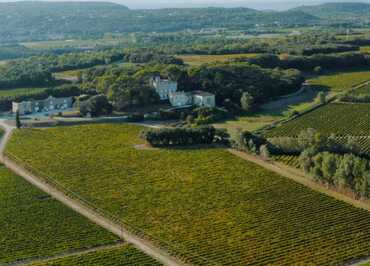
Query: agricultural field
34, 225
20, 91
290, 160
361, 92
365, 49
342, 81
204, 205
203, 59
124, 256
336, 118
271, 112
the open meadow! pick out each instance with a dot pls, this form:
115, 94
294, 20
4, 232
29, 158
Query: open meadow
341, 119
205, 205
33, 225
196, 60
125, 255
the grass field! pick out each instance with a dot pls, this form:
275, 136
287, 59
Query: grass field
123, 256
20, 91
34, 225
341, 81
203, 59
335, 118
205, 204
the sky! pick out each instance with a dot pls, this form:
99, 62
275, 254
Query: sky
257, 4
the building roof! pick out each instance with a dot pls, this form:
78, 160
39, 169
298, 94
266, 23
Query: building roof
203, 93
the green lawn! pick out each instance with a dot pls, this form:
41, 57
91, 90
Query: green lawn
206, 205
123, 256
32, 224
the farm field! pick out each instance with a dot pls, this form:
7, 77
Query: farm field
205, 205
125, 255
20, 91
271, 112
35, 225
341, 81
365, 49
203, 59
290, 160
335, 118
363, 91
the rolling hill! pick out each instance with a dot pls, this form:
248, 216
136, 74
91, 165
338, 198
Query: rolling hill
332, 11
53, 20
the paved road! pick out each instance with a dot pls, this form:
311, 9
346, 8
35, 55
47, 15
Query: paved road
143, 245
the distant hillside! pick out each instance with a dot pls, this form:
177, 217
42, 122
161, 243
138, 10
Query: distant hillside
338, 10
40, 20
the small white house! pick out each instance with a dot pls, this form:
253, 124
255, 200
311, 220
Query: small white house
181, 98
163, 87
204, 99
196, 98
46, 105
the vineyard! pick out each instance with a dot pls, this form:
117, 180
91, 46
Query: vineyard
336, 118
124, 256
341, 81
35, 225
205, 205
290, 160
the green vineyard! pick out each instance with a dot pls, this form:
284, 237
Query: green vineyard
34, 225
123, 256
204, 205
336, 118
290, 160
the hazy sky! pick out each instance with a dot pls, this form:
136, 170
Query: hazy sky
258, 4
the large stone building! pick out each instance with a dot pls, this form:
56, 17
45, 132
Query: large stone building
196, 98
47, 105
163, 87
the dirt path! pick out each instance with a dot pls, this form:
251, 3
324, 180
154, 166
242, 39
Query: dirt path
145, 246
66, 255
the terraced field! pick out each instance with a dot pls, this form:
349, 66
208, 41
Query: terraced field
338, 118
205, 205
123, 256
35, 225
342, 81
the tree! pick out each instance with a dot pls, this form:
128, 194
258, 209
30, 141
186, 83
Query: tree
18, 120
247, 102
264, 151
95, 106
322, 97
